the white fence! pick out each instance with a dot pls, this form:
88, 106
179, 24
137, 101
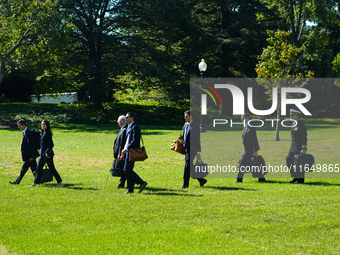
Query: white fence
66, 97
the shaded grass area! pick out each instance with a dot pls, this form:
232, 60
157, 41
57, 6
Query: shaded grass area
90, 216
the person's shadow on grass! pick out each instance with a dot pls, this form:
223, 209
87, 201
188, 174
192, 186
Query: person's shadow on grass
230, 188
75, 186
308, 182
168, 192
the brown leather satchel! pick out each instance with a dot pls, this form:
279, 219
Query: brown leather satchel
178, 146
138, 154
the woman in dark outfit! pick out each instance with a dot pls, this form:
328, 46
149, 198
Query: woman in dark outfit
46, 154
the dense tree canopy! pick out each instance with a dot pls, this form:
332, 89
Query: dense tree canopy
33, 38
97, 47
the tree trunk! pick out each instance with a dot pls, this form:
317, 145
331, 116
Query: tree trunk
277, 136
224, 20
97, 92
97, 100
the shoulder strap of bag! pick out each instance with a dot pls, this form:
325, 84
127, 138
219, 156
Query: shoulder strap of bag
142, 140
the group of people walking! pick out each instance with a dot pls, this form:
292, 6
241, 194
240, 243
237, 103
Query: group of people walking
29, 153
129, 137
251, 146
192, 144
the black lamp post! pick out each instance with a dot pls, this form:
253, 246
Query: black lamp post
202, 66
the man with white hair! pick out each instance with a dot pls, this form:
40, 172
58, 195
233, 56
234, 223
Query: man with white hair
119, 143
298, 146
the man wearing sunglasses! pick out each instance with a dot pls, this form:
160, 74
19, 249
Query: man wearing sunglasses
133, 135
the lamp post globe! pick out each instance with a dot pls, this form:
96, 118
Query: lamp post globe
202, 66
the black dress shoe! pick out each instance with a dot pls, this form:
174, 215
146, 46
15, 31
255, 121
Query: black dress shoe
184, 187
301, 181
294, 180
202, 182
13, 183
120, 186
142, 187
238, 180
262, 179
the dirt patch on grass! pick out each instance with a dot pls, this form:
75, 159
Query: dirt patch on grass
4, 250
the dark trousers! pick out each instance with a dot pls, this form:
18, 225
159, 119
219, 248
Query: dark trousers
122, 179
131, 177
119, 164
27, 164
244, 162
50, 164
294, 172
187, 166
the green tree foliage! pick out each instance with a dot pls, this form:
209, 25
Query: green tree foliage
96, 50
323, 40
99, 47
336, 64
294, 16
336, 68
280, 60
161, 35
314, 27
32, 36
233, 35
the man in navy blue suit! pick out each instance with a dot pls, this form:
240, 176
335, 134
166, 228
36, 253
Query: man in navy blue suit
192, 144
133, 135
28, 150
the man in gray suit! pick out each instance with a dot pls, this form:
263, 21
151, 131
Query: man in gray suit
251, 147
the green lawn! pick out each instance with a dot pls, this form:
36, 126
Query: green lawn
90, 216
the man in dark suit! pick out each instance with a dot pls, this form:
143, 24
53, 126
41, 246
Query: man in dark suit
192, 144
251, 147
118, 146
28, 150
133, 135
298, 146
